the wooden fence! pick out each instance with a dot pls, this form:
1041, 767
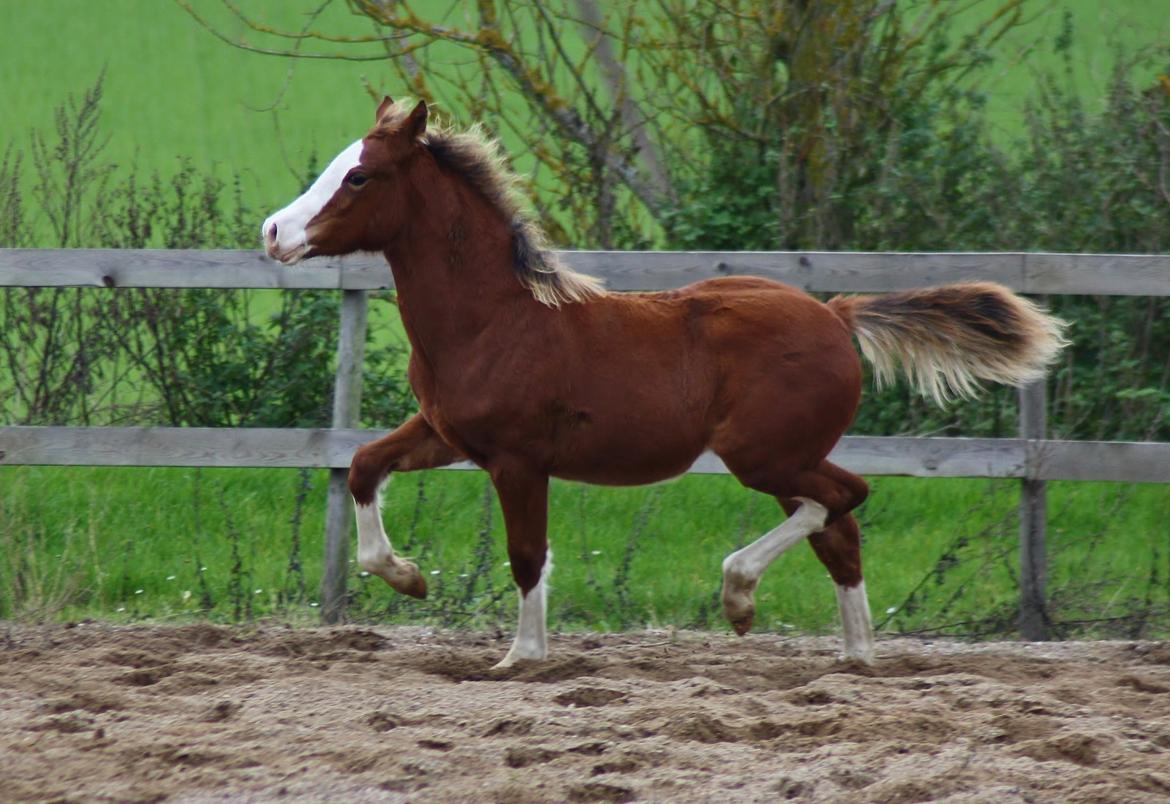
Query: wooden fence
1031, 458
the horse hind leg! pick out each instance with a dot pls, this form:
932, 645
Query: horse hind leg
743, 569
838, 547
818, 503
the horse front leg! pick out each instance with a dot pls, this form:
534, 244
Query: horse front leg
414, 445
524, 499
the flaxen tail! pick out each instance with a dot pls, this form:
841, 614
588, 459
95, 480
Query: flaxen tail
949, 338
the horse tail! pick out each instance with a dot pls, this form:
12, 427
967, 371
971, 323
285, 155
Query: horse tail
949, 338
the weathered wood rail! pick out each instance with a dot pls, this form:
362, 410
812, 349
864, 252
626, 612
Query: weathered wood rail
829, 271
1031, 457
323, 448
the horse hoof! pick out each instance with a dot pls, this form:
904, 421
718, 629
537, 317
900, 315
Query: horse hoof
739, 603
863, 658
743, 624
741, 615
513, 662
407, 580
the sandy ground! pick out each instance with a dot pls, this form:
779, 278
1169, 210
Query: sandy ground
202, 713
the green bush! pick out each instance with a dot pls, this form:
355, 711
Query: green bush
158, 356
933, 178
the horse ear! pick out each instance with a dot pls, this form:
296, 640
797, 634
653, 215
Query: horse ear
416, 124
382, 107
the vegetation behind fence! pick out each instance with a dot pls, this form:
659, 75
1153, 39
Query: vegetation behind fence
1078, 181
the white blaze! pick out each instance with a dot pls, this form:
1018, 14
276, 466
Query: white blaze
288, 242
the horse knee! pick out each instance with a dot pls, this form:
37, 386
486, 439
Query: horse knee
365, 475
530, 564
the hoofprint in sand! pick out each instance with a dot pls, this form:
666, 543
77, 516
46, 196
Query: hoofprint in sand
199, 712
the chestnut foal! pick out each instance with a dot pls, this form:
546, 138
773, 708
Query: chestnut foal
534, 371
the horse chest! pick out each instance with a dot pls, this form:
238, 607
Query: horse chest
475, 416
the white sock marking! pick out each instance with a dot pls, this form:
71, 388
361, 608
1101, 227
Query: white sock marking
751, 561
531, 640
374, 550
853, 604
376, 555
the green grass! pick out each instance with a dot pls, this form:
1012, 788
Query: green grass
129, 543
173, 90
1102, 34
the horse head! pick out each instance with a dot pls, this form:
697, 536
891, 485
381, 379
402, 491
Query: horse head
358, 202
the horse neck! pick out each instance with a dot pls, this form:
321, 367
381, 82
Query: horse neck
452, 264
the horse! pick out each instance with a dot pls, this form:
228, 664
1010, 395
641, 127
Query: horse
532, 370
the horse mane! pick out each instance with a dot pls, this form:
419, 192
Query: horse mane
477, 158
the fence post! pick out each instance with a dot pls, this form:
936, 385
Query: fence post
347, 404
1033, 621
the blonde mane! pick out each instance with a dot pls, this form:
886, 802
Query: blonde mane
478, 159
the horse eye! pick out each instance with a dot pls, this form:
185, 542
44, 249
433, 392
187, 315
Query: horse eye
356, 179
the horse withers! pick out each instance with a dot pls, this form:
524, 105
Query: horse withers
532, 370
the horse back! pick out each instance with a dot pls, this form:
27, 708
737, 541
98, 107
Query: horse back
656, 377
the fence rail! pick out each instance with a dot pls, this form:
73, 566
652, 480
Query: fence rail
828, 271
1031, 458
331, 448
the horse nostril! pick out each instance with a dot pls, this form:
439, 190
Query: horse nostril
272, 233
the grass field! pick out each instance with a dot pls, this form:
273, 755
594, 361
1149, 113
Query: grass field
129, 543
173, 90
1102, 34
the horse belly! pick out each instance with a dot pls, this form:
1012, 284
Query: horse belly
627, 469
636, 445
